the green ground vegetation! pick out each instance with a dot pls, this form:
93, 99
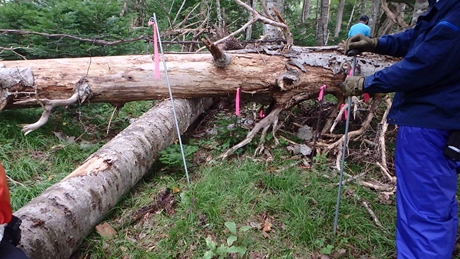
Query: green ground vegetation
244, 207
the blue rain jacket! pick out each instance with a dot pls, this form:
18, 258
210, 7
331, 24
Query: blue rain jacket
427, 79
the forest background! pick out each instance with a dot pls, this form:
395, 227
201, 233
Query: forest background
281, 208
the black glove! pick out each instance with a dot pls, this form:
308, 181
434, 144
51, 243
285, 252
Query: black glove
353, 86
12, 233
360, 43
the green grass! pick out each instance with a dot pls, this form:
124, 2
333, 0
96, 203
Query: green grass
300, 204
295, 204
36, 161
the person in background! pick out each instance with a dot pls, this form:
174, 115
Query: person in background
361, 27
10, 234
426, 109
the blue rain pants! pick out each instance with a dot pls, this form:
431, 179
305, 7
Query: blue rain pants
427, 219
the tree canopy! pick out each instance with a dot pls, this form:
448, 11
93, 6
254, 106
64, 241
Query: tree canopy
74, 28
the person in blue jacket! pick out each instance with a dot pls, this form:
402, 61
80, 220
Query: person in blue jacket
361, 27
426, 108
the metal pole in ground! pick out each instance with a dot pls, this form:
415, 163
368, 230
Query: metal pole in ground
344, 151
172, 99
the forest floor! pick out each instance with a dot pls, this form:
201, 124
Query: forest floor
280, 204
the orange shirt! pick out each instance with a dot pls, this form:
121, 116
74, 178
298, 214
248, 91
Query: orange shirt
5, 205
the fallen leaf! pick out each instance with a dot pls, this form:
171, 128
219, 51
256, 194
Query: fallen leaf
257, 225
255, 255
105, 230
341, 253
267, 226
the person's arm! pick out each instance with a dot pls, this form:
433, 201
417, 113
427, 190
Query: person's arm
395, 45
435, 58
5, 206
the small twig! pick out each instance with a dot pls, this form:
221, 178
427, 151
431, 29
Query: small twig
94, 41
374, 217
288, 140
115, 111
13, 50
377, 186
386, 173
337, 119
14, 181
353, 178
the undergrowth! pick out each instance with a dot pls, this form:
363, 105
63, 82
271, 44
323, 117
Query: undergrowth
244, 207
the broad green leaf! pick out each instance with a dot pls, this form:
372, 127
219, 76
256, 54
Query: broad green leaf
231, 226
237, 249
208, 255
211, 244
245, 228
231, 240
327, 250
222, 250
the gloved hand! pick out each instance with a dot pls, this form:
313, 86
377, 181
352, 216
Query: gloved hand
353, 86
361, 43
12, 232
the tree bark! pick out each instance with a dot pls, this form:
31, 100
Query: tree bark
322, 33
55, 223
375, 18
121, 79
338, 21
420, 7
305, 10
272, 32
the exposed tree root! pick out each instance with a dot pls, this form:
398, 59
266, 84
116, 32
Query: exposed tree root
354, 134
82, 91
264, 125
382, 144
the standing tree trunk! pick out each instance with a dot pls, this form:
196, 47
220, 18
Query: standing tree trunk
272, 32
253, 4
55, 223
351, 16
374, 17
338, 20
420, 7
323, 20
220, 21
305, 10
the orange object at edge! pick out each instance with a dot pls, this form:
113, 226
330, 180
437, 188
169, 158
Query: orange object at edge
5, 205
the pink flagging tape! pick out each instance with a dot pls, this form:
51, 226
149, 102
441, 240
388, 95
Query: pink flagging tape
156, 53
261, 113
237, 102
345, 112
321, 93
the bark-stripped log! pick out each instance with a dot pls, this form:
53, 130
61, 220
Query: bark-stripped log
262, 73
55, 223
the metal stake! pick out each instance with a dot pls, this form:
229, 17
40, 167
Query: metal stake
344, 151
171, 97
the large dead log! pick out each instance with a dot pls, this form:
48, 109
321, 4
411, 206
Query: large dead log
120, 79
274, 77
55, 223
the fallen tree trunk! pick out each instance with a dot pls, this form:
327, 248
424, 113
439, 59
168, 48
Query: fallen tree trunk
262, 75
56, 222
120, 79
